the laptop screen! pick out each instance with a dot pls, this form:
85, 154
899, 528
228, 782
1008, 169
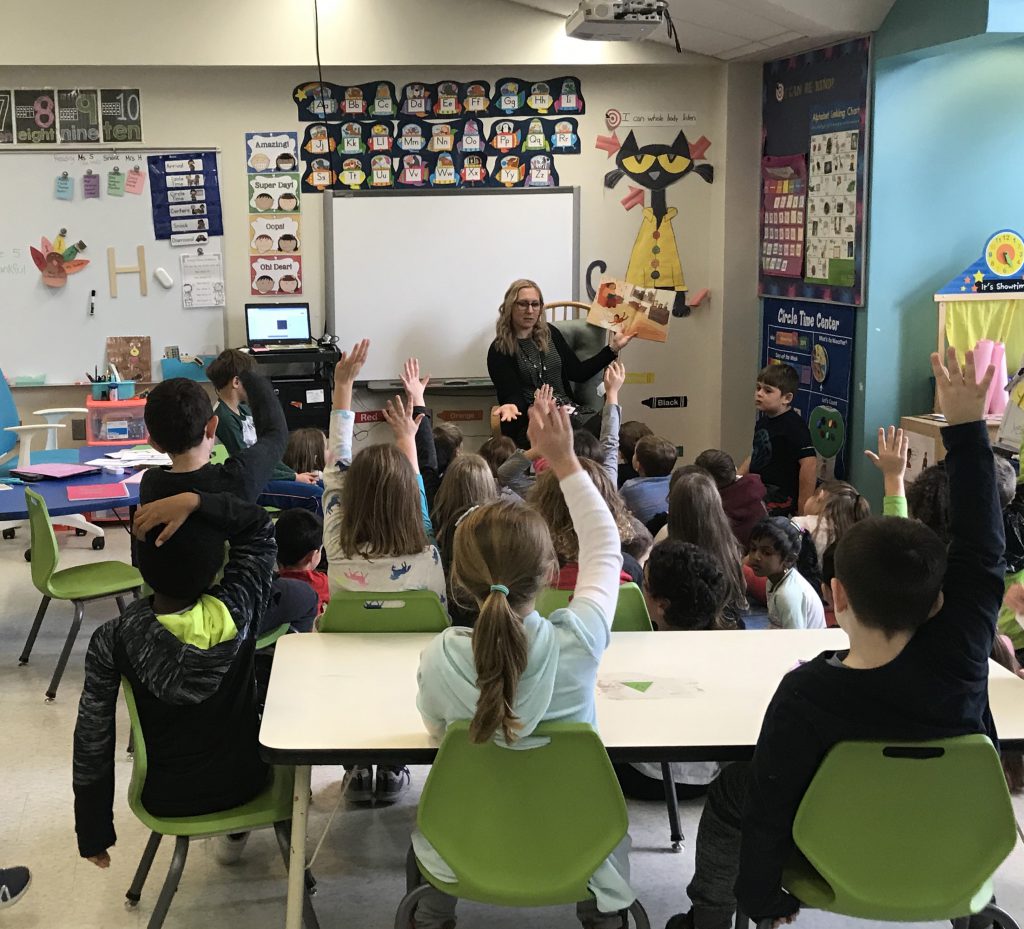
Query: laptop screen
277, 323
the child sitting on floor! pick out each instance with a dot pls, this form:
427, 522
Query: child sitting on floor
793, 603
300, 546
307, 452
517, 669
647, 494
831, 510
742, 494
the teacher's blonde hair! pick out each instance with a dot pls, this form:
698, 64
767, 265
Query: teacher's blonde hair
505, 337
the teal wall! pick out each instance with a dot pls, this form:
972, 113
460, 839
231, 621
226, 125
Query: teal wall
947, 170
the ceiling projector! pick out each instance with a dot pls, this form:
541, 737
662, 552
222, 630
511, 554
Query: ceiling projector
616, 20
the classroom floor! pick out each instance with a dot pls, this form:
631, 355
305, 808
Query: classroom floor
360, 867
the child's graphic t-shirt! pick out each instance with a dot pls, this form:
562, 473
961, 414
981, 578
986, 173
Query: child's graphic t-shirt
780, 442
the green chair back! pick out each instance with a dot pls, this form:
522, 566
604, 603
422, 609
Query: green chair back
393, 611
44, 542
903, 832
271, 806
218, 454
630, 610
269, 638
514, 828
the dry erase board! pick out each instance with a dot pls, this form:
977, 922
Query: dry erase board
49, 330
423, 272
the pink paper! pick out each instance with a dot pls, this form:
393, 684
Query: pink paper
997, 393
56, 471
135, 183
96, 491
982, 357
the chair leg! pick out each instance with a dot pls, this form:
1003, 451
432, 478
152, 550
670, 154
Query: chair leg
120, 604
167, 892
1000, 917
142, 872
131, 741
406, 909
413, 878
639, 914
672, 802
283, 832
69, 643
34, 631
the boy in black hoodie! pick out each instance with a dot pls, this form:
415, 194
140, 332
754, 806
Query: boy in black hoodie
921, 623
187, 652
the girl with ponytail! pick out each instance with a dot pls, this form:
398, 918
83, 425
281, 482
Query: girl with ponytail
515, 669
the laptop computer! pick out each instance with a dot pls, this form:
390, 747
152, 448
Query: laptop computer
278, 327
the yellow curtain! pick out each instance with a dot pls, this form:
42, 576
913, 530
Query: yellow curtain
998, 320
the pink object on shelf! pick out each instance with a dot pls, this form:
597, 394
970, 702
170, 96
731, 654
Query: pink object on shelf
982, 357
96, 492
997, 392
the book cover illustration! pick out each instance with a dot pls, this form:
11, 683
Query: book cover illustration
631, 310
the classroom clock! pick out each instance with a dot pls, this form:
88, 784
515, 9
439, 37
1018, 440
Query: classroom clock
1004, 253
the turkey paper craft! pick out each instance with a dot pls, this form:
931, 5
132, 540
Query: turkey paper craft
57, 260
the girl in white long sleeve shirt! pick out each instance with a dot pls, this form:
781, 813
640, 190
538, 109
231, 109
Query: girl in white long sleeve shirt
559, 655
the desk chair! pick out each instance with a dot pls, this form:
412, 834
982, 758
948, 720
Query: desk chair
554, 831
933, 822
80, 584
273, 807
394, 611
630, 610
14, 433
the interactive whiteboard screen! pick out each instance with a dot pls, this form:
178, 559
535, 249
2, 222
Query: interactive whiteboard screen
423, 273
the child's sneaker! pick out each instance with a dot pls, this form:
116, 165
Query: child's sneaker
227, 849
392, 782
13, 884
360, 788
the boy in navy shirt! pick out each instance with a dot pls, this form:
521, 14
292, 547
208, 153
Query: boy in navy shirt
921, 622
782, 453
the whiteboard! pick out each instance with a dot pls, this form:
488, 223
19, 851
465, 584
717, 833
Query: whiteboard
49, 330
423, 272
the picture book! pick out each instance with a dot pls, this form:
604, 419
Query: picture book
625, 308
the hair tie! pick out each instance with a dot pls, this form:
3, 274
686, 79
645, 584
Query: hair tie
501, 588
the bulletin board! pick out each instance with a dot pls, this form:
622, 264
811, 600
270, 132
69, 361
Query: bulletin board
51, 331
423, 272
814, 174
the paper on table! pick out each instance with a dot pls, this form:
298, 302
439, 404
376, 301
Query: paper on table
135, 478
96, 491
641, 686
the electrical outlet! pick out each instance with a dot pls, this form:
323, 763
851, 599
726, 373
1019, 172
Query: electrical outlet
78, 430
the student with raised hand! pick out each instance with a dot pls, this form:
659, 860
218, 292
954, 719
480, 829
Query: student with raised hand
377, 532
515, 668
921, 622
891, 460
188, 653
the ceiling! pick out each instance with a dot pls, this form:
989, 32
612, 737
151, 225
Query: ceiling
756, 29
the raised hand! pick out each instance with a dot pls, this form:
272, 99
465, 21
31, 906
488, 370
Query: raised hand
960, 398
545, 396
550, 433
400, 419
412, 382
346, 371
614, 378
891, 459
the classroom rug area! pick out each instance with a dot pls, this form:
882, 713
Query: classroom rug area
360, 868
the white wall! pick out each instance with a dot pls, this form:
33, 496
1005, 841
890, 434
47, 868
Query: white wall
707, 354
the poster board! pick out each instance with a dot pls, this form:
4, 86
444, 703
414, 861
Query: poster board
423, 272
814, 174
818, 342
50, 331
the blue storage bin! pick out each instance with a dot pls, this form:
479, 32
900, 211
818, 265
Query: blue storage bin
101, 390
175, 367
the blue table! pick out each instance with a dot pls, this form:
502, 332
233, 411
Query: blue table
12, 502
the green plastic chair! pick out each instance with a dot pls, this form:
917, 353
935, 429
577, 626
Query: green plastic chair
218, 454
269, 638
630, 611
80, 584
393, 611
513, 827
933, 822
273, 807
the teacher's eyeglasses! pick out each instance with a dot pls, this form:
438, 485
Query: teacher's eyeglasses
529, 304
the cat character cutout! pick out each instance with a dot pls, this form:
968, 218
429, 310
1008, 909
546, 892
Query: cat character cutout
654, 261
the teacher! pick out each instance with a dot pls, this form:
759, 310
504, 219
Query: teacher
528, 353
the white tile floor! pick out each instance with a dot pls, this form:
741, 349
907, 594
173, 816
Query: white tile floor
360, 868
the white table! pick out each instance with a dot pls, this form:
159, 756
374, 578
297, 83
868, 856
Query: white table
351, 699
